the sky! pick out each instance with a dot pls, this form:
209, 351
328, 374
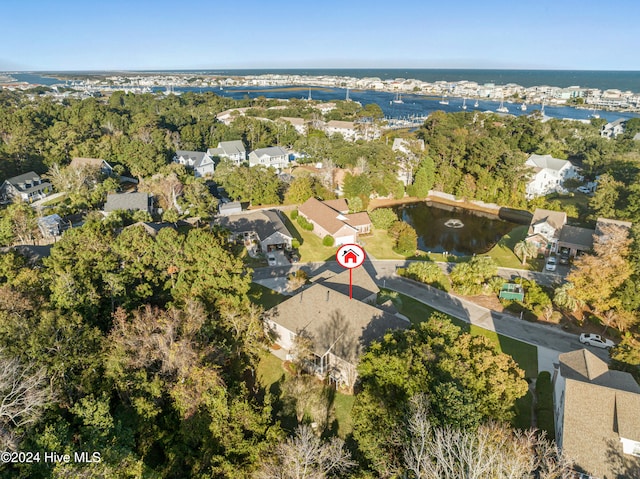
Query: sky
218, 34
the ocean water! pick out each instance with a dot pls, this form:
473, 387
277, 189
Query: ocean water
621, 80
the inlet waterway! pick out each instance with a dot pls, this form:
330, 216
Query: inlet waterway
456, 231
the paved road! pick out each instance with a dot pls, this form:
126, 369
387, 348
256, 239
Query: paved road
547, 336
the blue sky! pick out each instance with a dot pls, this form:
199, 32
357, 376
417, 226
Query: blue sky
214, 34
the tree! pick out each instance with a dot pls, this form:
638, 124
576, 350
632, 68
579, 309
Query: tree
383, 218
464, 378
406, 238
306, 456
469, 277
491, 450
524, 249
23, 395
426, 272
597, 276
424, 179
563, 297
297, 280
299, 191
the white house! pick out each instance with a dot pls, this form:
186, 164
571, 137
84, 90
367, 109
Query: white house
233, 150
545, 228
27, 187
345, 128
596, 416
548, 175
613, 128
272, 156
199, 161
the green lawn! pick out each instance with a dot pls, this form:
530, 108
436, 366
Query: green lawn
311, 247
270, 372
502, 253
265, 297
379, 245
526, 355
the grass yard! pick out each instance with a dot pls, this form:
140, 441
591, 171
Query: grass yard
270, 373
502, 253
311, 247
379, 245
265, 297
526, 355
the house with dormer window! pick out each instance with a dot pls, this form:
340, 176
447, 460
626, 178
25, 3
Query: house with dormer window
272, 156
548, 175
27, 187
199, 161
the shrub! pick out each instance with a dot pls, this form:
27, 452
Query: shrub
327, 240
424, 272
295, 244
302, 221
383, 218
294, 214
544, 406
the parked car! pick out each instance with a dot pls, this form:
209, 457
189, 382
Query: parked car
294, 258
271, 259
564, 257
551, 264
584, 189
596, 340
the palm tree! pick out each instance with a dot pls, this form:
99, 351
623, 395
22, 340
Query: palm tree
524, 249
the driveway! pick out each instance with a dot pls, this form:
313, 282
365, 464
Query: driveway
280, 256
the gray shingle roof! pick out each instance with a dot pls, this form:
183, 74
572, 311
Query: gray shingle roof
363, 285
29, 177
547, 161
577, 236
127, 201
265, 223
232, 147
332, 320
196, 157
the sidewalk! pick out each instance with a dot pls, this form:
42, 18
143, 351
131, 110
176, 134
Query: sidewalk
552, 338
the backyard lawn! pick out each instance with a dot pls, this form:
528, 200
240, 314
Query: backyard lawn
265, 297
270, 372
502, 253
379, 245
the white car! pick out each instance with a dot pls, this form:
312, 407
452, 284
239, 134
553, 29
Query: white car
271, 260
551, 264
596, 340
584, 189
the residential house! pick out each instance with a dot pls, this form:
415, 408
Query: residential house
261, 231
332, 218
596, 416
230, 208
233, 150
548, 175
27, 187
51, 226
575, 240
299, 124
137, 201
200, 162
544, 229
613, 128
347, 129
97, 163
338, 328
272, 156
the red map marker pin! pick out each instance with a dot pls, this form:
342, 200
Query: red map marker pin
350, 256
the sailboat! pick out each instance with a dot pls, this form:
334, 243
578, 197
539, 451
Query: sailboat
594, 114
476, 104
347, 96
309, 99
444, 100
502, 108
398, 98
523, 107
464, 103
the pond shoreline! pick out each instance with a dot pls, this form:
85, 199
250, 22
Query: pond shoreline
509, 214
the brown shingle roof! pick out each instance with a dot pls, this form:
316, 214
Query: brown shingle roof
339, 205
325, 216
556, 219
358, 219
80, 162
600, 408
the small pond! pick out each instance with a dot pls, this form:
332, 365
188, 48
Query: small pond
442, 228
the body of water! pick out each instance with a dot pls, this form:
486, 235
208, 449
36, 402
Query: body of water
456, 231
414, 105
